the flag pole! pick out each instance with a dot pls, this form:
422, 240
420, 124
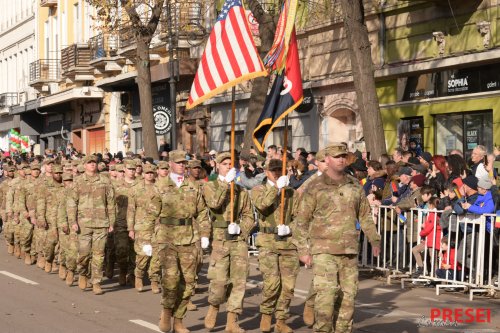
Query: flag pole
284, 171
233, 115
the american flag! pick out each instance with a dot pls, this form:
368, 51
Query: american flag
230, 56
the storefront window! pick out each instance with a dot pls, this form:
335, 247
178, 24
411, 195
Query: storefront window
464, 132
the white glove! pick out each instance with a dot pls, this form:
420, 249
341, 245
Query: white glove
283, 181
148, 250
204, 242
283, 230
233, 229
230, 175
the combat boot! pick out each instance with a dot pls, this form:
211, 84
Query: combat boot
282, 327
191, 307
48, 267
55, 268
23, 255
165, 324
96, 288
69, 278
27, 259
62, 272
82, 282
155, 288
131, 280
138, 284
10, 249
41, 261
122, 278
211, 317
308, 315
232, 325
109, 269
265, 323
32, 260
17, 251
179, 326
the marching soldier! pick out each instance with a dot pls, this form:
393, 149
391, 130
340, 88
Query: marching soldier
143, 210
229, 259
326, 237
8, 224
278, 259
91, 212
183, 211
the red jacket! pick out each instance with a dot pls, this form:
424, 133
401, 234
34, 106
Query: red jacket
452, 260
433, 240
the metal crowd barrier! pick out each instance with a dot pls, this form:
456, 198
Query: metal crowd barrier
475, 263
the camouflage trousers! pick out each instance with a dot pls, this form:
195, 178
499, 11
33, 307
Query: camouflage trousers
8, 230
51, 241
25, 235
279, 271
124, 250
91, 244
38, 241
179, 276
109, 257
336, 285
68, 247
227, 272
142, 260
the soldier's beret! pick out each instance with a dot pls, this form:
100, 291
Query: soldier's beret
112, 167
149, 168
194, 164
177, 156
35, 166
67, 176
130, 164
335, 150
57, 168
222, 156
274, 165
320, 155
163, 165
90, 158
119, 167
80, 168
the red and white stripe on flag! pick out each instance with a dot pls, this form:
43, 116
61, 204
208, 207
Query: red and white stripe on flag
230, 56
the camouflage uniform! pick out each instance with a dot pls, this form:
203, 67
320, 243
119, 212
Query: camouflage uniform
183, 211
326, 229
49, 199
278, 260
143, 210
13, 209
7, 222
68, 238
228, 266
124, 246
92, 207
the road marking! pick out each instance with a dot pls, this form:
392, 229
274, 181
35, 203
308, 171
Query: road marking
146, 324
20, 278
430, 299
383, 290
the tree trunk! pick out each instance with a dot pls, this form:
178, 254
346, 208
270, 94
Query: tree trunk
267, 28
143, 81
364, 80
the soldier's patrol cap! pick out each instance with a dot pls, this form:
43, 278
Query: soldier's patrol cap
222, 156
57, 168
80, 168
120, 167
48, 161
194, 164
335, 150
149, 168
320, 155
67, 176
35, 166
112, 167
102, 165
138, 162
177, 156
75, 163
274, 165
130, 164
10, 168
163, 165
89, 158
23, 165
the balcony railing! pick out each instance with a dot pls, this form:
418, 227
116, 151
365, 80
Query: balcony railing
75, 55
45, 70
48, 3
8, 99
103, 46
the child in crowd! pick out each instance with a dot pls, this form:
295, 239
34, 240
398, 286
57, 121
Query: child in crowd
446, 271
431, 233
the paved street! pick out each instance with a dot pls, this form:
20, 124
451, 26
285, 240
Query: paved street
33, 301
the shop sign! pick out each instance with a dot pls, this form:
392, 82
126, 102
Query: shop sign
163, 119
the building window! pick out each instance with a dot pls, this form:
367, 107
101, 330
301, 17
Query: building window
238, 139
464, 131
279, 136
138, 139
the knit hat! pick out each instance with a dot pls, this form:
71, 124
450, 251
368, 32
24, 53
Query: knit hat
418, 180
471, 181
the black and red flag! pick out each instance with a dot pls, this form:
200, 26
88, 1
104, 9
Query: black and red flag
285, 95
